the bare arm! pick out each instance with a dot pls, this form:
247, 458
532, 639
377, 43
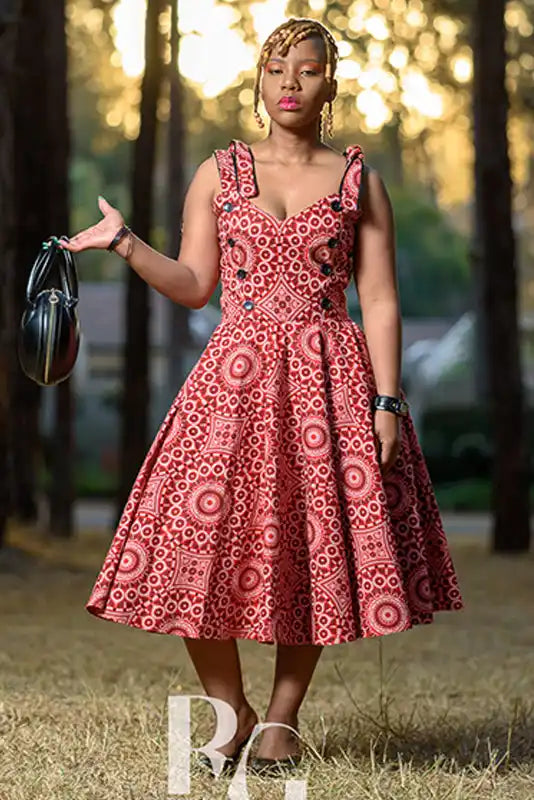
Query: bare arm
189, 280
376, 282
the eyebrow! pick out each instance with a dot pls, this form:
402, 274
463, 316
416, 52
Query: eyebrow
301, 60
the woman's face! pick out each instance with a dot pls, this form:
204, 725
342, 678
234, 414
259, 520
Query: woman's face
294, 87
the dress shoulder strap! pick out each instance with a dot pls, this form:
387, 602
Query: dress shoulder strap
227, 176
244, 168
236, 169
351, 182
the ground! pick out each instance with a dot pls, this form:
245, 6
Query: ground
442, 711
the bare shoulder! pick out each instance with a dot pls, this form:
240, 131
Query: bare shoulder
332, 157
376, 203
206, 175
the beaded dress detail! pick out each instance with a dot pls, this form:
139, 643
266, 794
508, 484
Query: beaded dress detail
260, 511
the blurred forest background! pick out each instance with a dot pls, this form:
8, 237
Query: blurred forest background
118, 98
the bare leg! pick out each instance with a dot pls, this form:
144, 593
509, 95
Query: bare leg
295, 665
219, 670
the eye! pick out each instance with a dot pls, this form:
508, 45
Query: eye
309, 72
273, 70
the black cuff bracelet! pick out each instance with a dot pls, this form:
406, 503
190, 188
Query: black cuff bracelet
119, 236
394, 404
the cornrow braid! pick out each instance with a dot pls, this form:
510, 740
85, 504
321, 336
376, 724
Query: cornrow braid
288, 34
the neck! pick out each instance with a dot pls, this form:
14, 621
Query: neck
293, 147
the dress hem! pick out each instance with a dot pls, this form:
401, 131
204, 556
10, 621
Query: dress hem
94, 611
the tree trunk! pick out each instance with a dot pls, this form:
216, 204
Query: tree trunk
497, 281
8, 32
136, 386
32, 220
58, 149
179, 315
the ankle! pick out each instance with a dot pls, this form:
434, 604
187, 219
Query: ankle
287, 717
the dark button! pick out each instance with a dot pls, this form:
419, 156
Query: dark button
248, 304
228, 206
336, 205
231, 242
326, 302
241, 273
332, 242
326, 269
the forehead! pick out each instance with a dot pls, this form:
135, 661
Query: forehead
311, 48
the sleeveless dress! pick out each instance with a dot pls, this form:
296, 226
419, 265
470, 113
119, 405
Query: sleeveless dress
260, 511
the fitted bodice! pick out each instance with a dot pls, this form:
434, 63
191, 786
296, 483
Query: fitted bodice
283, 271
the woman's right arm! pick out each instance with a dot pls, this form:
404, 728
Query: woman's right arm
189, 280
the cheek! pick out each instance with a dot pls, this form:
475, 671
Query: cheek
267, 90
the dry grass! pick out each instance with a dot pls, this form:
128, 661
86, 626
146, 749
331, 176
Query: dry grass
441, 711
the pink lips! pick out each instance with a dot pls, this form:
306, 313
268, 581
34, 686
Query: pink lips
288, 103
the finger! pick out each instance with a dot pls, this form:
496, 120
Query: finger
385, 453
103, 205
80, 241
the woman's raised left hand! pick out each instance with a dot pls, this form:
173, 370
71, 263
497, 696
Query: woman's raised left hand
388, 437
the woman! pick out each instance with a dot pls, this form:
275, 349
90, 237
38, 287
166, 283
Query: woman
285, 497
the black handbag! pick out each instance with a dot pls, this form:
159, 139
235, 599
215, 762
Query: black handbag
49, 334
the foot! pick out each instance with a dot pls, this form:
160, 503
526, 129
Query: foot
247, 718
279, 742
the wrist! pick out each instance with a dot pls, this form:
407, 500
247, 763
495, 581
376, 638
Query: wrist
395, 404
125, 247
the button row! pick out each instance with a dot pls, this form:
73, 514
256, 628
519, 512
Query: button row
325, 303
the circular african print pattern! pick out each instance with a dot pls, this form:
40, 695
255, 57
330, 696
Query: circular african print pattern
314, 532
318, 252
314, 343
241, 255
208, 502
315, 437
241, 366
271, 533
420, 591
179, 627
248, 581
133, 562
387, 614
357, 476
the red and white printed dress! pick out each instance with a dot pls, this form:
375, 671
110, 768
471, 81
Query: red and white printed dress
260, 511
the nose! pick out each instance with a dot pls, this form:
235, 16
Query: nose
289, 81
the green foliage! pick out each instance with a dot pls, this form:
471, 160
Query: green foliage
432, 258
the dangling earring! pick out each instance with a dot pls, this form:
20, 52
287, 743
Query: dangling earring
329, 119
327, 123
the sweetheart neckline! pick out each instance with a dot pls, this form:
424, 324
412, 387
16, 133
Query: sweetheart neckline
279, 221
324, 198
332, 196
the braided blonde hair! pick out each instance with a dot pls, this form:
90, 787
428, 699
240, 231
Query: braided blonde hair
290, 33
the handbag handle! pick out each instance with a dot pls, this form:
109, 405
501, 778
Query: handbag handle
43, 263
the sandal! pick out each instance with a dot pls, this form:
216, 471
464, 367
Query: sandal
230, 761
274, 766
